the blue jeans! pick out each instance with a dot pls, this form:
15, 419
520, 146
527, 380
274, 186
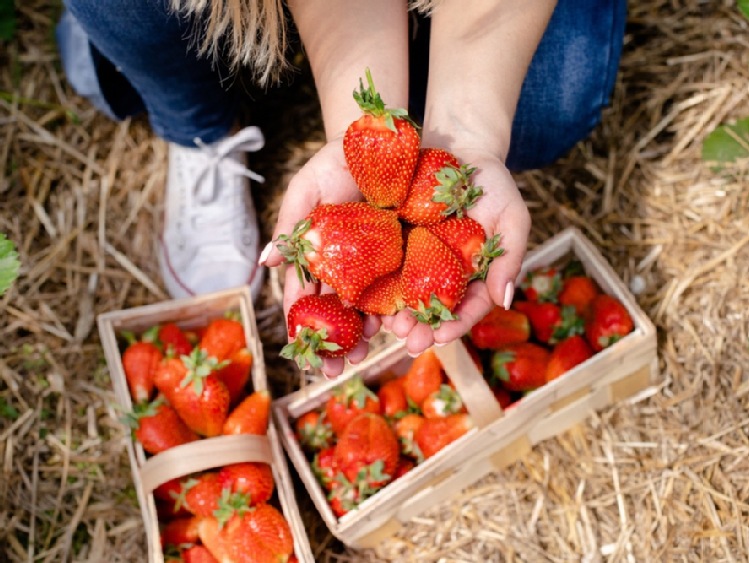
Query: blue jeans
131, 56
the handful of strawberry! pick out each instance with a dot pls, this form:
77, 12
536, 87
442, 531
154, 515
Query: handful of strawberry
559, 319
409, 245
364, 437
188, 385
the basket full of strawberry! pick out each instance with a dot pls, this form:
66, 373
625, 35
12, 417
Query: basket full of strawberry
207, 464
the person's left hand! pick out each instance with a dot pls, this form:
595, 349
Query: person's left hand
325, 178
501, 210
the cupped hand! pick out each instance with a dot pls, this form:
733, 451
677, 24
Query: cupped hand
325, 178
501, 211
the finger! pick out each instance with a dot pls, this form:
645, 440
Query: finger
419, 339
358, 353
403, 322
474, 306
371, 326
332, 367
504, 270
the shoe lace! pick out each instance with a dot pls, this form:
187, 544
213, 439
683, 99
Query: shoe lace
209, 189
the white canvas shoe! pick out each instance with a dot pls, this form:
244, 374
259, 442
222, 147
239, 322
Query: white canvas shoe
210, 237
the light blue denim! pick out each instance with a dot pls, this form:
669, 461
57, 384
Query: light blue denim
131, 56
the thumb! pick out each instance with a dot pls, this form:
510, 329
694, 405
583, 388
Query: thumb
504, 270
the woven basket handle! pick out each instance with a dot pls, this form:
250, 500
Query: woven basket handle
202, 455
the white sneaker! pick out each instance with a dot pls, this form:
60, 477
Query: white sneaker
210, 237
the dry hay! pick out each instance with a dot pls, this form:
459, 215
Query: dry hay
661, 477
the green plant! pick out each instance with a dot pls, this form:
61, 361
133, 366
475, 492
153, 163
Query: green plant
9, 264
730, 142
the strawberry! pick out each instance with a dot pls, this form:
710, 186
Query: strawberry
223, 337
424, 376
168, 491
440, 187
344, 496
321, 326
250, 416
405, 465
243, 534
499, 327
467, 239
198, 554
433, 281
346, 245
367, 451
406, 429
191, 386
180, 531
503, 396
348, 400
324, 467
381, 148
520, 367
443, 402
579, 292
436, 433
607, 322
393, 400
170, 338
253, 479
551, 323
157, 426
542, 284
236, 373
566, 355
139, 362
200, 494
313, 431
383, 296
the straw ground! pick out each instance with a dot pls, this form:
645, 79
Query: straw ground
663, 477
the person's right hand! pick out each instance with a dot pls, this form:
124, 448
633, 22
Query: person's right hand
325, 178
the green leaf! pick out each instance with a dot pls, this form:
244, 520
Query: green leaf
9, 264
7, 20
744, 7
727, 143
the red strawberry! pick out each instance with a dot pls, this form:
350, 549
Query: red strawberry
222, 338
406, 429
253, 479
324, 467
405, 465
440, 187
542, 284
158, 427
503, 396
443, 402
180, 531
191, 386
424, 376
608, 321
345, 496
236, 373
393, 400
567, 354
347, 246
520, 367
433, 280
550, 322
381, 149
467, 239
241, 534
321, 326
250, 416
172, 340
313, 431
348, 400
200, 495
436, 433
579, 292
499, 327
198, 554
383, 296
367, 451
139, 362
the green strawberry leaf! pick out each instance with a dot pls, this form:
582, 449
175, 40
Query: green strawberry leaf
9, 264
744, 8
7, 20
727, 143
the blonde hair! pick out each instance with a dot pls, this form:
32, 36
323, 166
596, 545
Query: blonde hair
249, 33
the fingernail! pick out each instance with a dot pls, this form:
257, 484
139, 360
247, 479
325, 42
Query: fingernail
399, 339
440, 344
265, 253
509, 294
413, 354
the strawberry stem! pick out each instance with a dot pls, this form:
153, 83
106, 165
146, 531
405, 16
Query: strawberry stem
489, 251
294, 248
371, 103
434, 314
